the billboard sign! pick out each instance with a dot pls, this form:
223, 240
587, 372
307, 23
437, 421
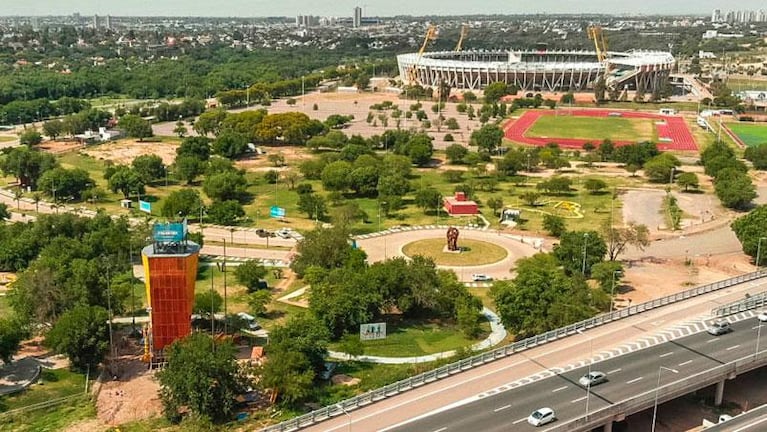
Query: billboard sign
276, 212
168, 232
373, 331
145, 206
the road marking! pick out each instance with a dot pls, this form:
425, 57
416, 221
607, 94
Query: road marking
634, 380
441, 429
756, 327
749, 425
502, 408
733, 347
685, 363
559, 389
578, 400
667, 354
519, 421
711, 340
614, 371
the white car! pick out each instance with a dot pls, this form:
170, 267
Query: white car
592, 378
719, 328
284, 233
480, 277
762, 316
541, 416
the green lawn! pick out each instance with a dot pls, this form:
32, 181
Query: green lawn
474, 252
592, 128
8, 138
751, 134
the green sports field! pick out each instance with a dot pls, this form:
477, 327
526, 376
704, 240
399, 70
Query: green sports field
751, 134
593, 128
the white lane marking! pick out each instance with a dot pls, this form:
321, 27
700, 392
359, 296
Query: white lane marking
667, 354
634, 380
711, 340
519, 421
559, 389
685, 363
441, 429
578, 400
614, 371
748, 426
502, 408
733, 347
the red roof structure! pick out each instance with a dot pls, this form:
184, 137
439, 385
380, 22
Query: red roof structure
459, 205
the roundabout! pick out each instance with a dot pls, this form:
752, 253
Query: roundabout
472, 252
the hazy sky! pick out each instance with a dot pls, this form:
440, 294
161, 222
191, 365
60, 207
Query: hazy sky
249, 8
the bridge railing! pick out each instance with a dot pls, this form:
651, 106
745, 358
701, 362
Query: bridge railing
753, 302
342, 407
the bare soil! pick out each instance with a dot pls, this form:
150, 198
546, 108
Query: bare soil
124, 151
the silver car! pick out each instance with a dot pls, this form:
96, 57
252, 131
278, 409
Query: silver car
592, 378
719, 328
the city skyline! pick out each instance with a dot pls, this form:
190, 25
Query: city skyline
263, 8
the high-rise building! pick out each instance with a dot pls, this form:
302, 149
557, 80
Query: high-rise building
95, 21
716, 15
108, 22
35, 23
357, 21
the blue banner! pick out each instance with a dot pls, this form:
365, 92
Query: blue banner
168, 233
145, 206
276, 212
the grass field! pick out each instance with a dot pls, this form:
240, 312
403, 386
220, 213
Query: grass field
751, 134
8, 138
592, 128
473, 252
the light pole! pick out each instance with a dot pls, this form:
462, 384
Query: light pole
591, 359
612, 291
759, 252
758, 336
657, 388
223, 269
585, 242
347, 415
109, 307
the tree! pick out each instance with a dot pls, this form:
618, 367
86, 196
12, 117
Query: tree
736, 192
757, 155
511, 163
495, 203
618, 238
555, 225
224, 186
289, 375
487, 138
207, 303
660, 168
541, 297
428, 198
180, 129
555, 185
608, 274
30, 137
5, 214
149, 167
82, 335
455, 153
530, 198
11, 335
67, 182
257, 302
230, 145
249, 274
749, 229
303, 334
226, 212
53, 129
210, 122
495, 91
313, 205
135, 127
195, 146
188, 168
688, 180
182, 202
326, 248
202, 375
570, 251
594, 185
127, 181
335, 176
271, 176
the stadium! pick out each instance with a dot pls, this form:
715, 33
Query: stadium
537, 70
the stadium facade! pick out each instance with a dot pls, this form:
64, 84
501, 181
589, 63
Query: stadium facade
537, 70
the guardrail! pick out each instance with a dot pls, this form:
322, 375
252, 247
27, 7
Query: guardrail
41, 405
753, 302
384, 392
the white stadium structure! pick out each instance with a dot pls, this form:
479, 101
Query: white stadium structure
537, 70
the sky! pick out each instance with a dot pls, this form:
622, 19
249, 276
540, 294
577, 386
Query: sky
257, 8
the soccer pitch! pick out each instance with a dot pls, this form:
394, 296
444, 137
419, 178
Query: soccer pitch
593, 128
750, 134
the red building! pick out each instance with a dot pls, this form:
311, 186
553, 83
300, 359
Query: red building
459, 205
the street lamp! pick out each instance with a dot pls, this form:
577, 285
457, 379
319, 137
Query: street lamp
758, 336
759, 252
347, 415
612, 291
585, 242
591, 359
109, 307
657, 388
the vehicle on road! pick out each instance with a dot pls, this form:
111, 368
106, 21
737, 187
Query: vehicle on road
480, 277
284, 233
719, 328
762, 316
541, 416
592, 378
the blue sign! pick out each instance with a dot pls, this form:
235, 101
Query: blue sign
168, 233
276, 212
145, 206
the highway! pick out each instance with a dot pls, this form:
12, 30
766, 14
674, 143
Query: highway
754, 421
628, 375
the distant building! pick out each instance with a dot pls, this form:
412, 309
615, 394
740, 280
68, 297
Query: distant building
108, 22
95, 21
357, 21
459, 205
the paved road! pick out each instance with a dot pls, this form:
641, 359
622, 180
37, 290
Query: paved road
628, 376
754, 420
561, 353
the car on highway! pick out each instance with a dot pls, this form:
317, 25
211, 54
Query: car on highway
719, 328
541, 416
480, 277
284, 233
592, 378
762, 316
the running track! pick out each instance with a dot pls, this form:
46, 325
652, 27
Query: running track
672, 135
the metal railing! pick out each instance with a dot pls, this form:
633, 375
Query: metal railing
753, 302
41, 405
384, 392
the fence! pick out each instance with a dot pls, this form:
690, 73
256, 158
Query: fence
41, 405
341, 408
753, 302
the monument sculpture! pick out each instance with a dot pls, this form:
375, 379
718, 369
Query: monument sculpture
452, 239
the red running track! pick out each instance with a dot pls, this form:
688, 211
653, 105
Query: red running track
673, 133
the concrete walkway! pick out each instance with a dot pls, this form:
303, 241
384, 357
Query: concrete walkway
497, 334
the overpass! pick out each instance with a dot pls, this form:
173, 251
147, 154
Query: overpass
754, 420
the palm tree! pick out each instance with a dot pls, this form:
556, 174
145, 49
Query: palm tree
36, 197
17, 194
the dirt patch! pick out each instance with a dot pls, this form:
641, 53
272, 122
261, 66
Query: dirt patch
56, 147
344, 380
90, 425
293, 157
123, 152
644, 207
